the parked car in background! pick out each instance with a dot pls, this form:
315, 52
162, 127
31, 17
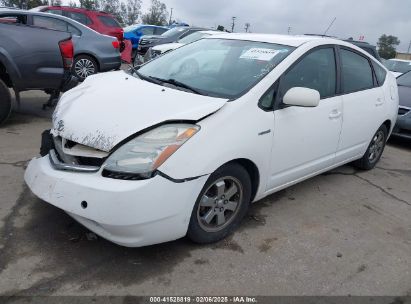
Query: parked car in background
157, 50
217, 124
93, 52
136, 31
32, 58
170, 36
403, 125
369, 48
101, 22
398, 66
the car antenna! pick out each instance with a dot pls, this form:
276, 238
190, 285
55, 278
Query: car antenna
332, 22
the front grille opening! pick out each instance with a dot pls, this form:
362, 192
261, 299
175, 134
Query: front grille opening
126, 176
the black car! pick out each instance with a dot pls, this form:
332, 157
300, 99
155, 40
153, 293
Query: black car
403, 125
369, 48
168, 37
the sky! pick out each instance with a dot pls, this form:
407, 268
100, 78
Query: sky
354, 18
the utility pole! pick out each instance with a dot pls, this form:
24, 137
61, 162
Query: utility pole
289, 30
233, 24
171, 15
409, 48
247, 26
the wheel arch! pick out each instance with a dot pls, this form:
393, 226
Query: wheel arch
253, 172
388, 125
94, 57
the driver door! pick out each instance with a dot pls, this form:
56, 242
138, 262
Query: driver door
306, 138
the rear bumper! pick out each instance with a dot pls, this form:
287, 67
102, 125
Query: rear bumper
110, 63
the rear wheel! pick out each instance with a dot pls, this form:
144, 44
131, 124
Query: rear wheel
84, 66
5, 102
221, 205
374, 150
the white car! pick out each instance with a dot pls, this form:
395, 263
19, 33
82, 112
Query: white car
216, 124
398, 66
167, 47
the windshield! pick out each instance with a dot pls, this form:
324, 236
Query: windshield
404, 80
218, 67
173, 31
192, 37
398, 66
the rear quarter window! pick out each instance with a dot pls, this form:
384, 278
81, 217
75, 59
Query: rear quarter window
379, 72
108, 21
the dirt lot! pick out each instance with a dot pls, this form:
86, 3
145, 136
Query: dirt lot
344, 232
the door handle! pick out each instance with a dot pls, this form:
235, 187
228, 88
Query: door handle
379, 102
334, 114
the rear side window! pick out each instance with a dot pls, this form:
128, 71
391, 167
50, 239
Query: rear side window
18, 19
159, 31
379, 72
55, 12
316, 71
79, 17
109, 21
50, 23
356, 72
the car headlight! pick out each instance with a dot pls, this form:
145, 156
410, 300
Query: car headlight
145, 153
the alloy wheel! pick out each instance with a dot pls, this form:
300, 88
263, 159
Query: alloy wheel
84, 68
220, 204
376, 147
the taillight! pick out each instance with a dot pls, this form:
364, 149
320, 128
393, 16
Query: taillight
116, 44
67, 52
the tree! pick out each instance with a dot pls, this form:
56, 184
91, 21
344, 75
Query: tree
387, 46
157, 14
88, 4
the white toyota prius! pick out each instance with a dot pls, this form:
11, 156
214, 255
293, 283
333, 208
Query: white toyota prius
183, 145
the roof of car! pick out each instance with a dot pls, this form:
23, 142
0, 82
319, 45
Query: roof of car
291, 40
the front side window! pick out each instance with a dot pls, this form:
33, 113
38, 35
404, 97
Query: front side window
159, 30
315, 71
147, 31
356, 72
218, 67
50, 23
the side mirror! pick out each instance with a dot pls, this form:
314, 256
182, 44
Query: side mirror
302, 97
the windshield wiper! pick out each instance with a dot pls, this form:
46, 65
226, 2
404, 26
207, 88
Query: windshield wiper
178, 84
144, 77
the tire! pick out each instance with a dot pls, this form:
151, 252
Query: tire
374, 150
226, 195
84, 66
5, 102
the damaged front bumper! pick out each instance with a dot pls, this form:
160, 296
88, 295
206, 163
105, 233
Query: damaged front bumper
128, 213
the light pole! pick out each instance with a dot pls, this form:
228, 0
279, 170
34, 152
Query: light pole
233, 24
171, 15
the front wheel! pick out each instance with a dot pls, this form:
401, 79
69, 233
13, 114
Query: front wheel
221, 205
84, 66
374, 150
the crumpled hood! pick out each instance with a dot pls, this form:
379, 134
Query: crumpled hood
107, 108
167, 47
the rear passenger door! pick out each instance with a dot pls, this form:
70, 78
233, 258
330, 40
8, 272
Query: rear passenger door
363, 103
